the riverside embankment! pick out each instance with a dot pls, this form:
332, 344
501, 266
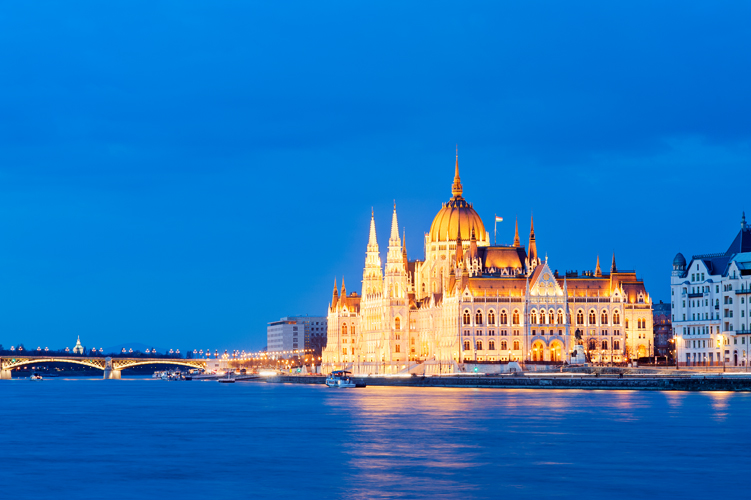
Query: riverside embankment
696, 382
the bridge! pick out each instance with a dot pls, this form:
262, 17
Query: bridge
112, 367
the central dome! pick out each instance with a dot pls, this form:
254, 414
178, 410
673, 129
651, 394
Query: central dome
456, 215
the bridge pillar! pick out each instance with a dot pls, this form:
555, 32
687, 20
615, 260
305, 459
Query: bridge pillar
109, 372
4, 374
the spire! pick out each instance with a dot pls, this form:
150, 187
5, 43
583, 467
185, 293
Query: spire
598, 273
613, 269
372, 274
335, 296
343, 299
394, 227
532, 244
372, 240
456, 189
459, 252
517, 243
743, 221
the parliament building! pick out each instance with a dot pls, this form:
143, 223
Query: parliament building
469, 301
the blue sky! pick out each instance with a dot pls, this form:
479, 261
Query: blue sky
181, 173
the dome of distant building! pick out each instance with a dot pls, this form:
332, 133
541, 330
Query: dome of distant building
679, 260
78, 349
455, 216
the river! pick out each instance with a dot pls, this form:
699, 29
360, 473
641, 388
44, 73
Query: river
139, 438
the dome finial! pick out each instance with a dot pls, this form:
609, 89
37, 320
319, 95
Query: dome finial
456, 189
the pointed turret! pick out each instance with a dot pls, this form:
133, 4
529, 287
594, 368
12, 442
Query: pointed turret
598, 272
473, 245
459, 249
456, 188
404, 250
396, 272
343, 298
532, 244
613, 269
743, 221
372, 274
517, 243
334, 296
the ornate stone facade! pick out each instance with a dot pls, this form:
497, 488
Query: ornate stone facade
471, 301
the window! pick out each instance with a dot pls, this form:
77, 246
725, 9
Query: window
533, 318
592, 344
353, 329
627, 321
344, 329
592, 317
491, 345
604, 318
504, 317
491, 318
616, 318
479, 345
504, 345
580, 317
397, 348
604, 345
516, 345
466, 345
516, 317
397, 323
550, 317
467, 317
560, 317
478, 317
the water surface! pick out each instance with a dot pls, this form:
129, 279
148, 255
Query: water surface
143, 438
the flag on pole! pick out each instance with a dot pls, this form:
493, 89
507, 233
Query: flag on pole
498, 219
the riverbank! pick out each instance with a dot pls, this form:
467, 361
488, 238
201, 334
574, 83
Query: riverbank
693, 382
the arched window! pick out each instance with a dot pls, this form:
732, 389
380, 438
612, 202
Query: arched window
466, 345
479, 345
504, 317
604, 318
423, 288
560, 317
592, 344
397, 323
467, 317
515, 317
592, 317
491, 318
504, 345
344, 329
533, 318
551, 314
516, 345
616, 318
491, 345
616, 345
604, 345
580, 317
353, 329
478, 317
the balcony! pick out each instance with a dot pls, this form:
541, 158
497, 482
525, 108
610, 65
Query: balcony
695, 295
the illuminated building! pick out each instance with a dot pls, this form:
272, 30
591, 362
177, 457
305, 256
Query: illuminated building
78, 349
471, 301
710, 302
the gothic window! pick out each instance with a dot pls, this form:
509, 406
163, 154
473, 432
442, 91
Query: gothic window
467, 317
397, 348
515, 317
592, 317
616, 318
479, 345
626, 323
397, 323
344, 329
516, 345
604, 318
491, 345
592, 344
423, 288
616, 345
504, 317
491, 318
504, 345
353, 329
560, 317
466, 345
478, 317
580, 317
604, 345
550, 317
533, 318
344, 351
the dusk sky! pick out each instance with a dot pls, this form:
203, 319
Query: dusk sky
181, 173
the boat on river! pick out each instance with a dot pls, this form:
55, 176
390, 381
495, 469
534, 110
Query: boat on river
340, 379
36, 376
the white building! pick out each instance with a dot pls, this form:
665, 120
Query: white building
296, 334
710, 302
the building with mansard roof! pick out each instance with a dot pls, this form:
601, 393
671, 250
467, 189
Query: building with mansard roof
469, 301
710, 304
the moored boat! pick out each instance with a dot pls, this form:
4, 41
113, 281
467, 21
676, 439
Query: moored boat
341, 379
36, 376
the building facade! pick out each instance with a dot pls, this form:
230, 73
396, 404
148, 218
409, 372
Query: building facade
294, 335
470, 301
663, 331
710, 302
